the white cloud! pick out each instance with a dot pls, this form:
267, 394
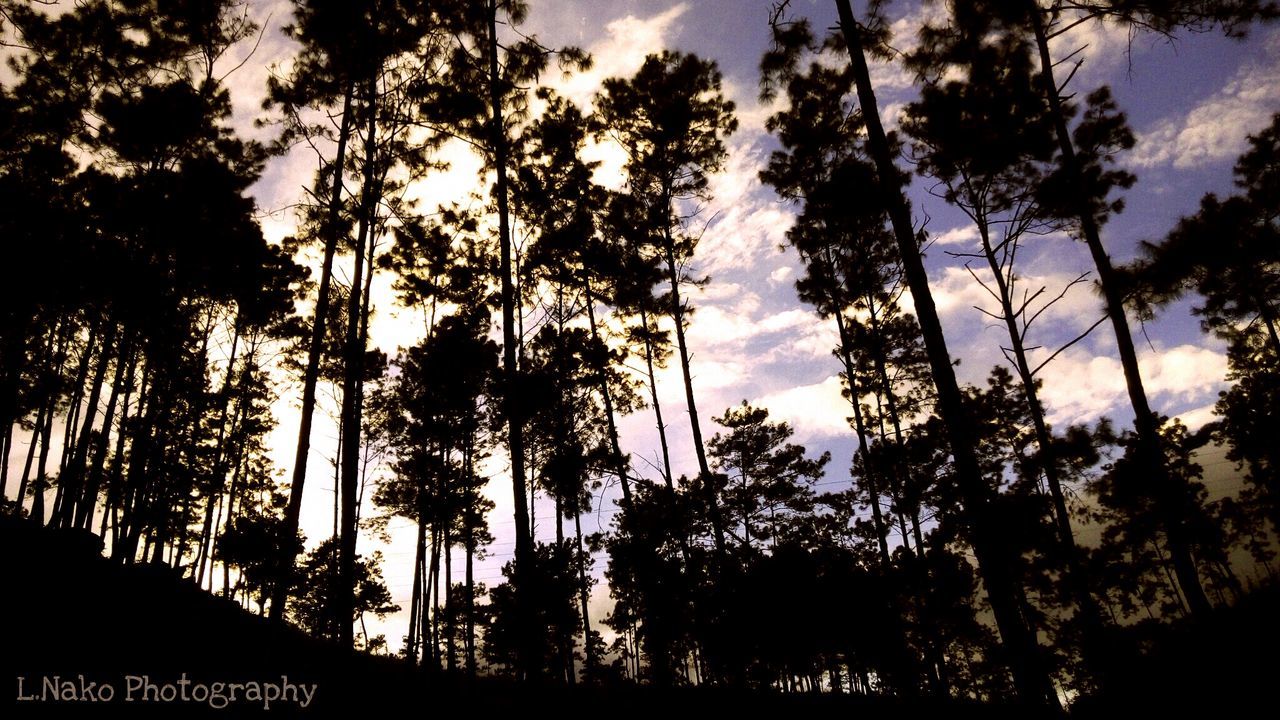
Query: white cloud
619, 54
247, 66
1103, 46
956, 293
749, 224
710, 375
750, 112
455, 184
1081, 386
724, 326
890, 77
1215, 129
956, 236
612, 159
1197, 418
815, 411
813, 339
740, 298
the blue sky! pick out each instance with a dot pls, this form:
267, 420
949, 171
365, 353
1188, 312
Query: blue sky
1191, 101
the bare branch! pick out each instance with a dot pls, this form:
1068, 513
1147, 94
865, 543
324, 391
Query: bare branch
1060, 350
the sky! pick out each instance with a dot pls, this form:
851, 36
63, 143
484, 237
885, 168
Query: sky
1191, 102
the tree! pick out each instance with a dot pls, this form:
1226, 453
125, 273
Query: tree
1022, 650
549, 599
313, 612
637, 274
438, 435
1227, 255
847, 258
1136, 533
489, 81
557, 197
671, 119
321, 72
766, 480
1081, 187
980, 129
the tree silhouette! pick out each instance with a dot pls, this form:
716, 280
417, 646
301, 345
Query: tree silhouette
1022, 652
765, 479
671, 119
1081, 187
1226, 254
986, 139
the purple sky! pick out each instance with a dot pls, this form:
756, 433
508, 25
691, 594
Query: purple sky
1190, 101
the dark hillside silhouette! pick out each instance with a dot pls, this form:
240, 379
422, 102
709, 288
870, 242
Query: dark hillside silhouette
96, 618
241, 441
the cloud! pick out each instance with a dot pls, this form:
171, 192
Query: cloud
813, 339
957, 294
718, 325
612, 159
749, 225
628, 40
1102, 46
456, 183
956, 291
956, 236
815, 411
1215, 129
891, 77
1197, 418
249, 64
1080, 386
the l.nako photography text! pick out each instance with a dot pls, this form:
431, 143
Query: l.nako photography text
142, 688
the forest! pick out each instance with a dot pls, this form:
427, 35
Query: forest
193, 376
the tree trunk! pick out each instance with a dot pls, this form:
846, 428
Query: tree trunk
314, 351
214, 495
72, 480
899, 476
353, 371
93, 481
657, 406
433, 578
1096, 653
41, 481
6, 447
54, 348
115, 476
619, 461
69, 436
1029, 674
584, 594
860, 429
469, 539
450, 658
527, 641
419, 553
704, 471
1150, 446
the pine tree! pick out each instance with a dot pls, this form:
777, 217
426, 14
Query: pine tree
671, 118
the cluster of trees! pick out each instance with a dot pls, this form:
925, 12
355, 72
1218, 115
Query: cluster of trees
551, 302
145, 306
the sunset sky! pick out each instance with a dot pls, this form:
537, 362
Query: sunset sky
1191, 101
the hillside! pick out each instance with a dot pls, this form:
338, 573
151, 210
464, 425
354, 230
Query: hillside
70, 612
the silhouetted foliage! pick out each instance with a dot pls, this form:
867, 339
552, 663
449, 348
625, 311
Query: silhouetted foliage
152, 335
